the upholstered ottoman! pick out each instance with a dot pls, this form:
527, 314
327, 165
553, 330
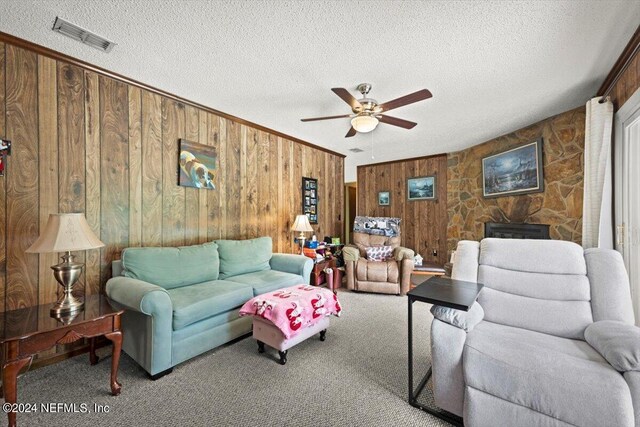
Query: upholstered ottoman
267, 333
286, 317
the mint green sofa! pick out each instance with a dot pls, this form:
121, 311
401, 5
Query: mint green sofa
181, 302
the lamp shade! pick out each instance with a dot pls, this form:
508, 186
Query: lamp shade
301, 224
65, 232
364, 123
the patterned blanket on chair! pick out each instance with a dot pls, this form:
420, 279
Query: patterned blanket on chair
294, 308
382, 226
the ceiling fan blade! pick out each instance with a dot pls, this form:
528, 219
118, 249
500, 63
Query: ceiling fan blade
406, 100
351, 133
396, 122
347, 97
325, 118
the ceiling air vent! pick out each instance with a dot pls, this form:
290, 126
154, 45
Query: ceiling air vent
80, 34
356, 150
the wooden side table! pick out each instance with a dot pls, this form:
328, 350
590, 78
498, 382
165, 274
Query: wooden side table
318, 274
26, 332
427, 269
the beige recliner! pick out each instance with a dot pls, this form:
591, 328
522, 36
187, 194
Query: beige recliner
385, 277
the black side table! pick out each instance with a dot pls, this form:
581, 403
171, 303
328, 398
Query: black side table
446, 292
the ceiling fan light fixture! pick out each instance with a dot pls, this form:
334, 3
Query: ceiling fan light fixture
364, 123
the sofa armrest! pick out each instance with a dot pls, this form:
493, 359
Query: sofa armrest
294, 264
401, 253
617, 342
447, 346
465, 320
140, 296
350, 253
148, 324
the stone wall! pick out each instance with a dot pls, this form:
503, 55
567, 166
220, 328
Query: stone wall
560, 205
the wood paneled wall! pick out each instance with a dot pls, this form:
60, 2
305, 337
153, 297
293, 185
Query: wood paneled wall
84, 142
424, 222
628, 83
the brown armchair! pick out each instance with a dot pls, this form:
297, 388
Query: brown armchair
385, 277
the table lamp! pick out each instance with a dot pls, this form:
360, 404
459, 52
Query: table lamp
302, 225
66, 233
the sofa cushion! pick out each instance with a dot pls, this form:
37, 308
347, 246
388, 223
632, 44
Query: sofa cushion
267, 281
535, 284
567, 319
172, 267
244, 256
200, 301
534, 256
562, 378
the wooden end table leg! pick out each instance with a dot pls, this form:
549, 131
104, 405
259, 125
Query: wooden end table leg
116, 339
10, 384
93, 359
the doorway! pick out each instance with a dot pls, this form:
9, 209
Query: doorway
627, 192
350, 207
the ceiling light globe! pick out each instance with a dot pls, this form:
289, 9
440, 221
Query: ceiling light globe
364, 123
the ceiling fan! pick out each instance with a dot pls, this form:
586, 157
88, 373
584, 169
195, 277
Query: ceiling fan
367, 113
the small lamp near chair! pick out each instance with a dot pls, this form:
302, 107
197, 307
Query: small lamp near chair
302, 225
66, 233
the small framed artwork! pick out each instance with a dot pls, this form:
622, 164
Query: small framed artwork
196, 165
515, 171
384, 198
310, 199
421, 188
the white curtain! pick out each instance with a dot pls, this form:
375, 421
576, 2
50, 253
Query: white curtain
597, 217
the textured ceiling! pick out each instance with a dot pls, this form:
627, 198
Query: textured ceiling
492, 66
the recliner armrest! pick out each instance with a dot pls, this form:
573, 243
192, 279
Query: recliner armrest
140, 296
350, 253
465, 320
400, 253
294, 264
617, 342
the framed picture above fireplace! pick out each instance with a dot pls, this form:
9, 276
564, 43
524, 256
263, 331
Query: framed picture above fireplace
515, 171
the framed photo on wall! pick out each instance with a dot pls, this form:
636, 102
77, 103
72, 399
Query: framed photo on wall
384, 198
515, 171
310, 199
196, 165
421, 188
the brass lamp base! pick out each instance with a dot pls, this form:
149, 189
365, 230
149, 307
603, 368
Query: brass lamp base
67, 273
301, 240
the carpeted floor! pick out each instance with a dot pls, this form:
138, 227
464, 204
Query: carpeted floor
357, 377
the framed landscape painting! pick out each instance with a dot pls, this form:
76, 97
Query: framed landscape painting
196, 165
384, 198
421, 188
515, 171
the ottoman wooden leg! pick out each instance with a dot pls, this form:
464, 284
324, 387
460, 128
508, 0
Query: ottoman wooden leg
283, 356
260, 347
323, 335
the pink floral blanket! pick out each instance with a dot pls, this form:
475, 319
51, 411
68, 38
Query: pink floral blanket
294, 308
